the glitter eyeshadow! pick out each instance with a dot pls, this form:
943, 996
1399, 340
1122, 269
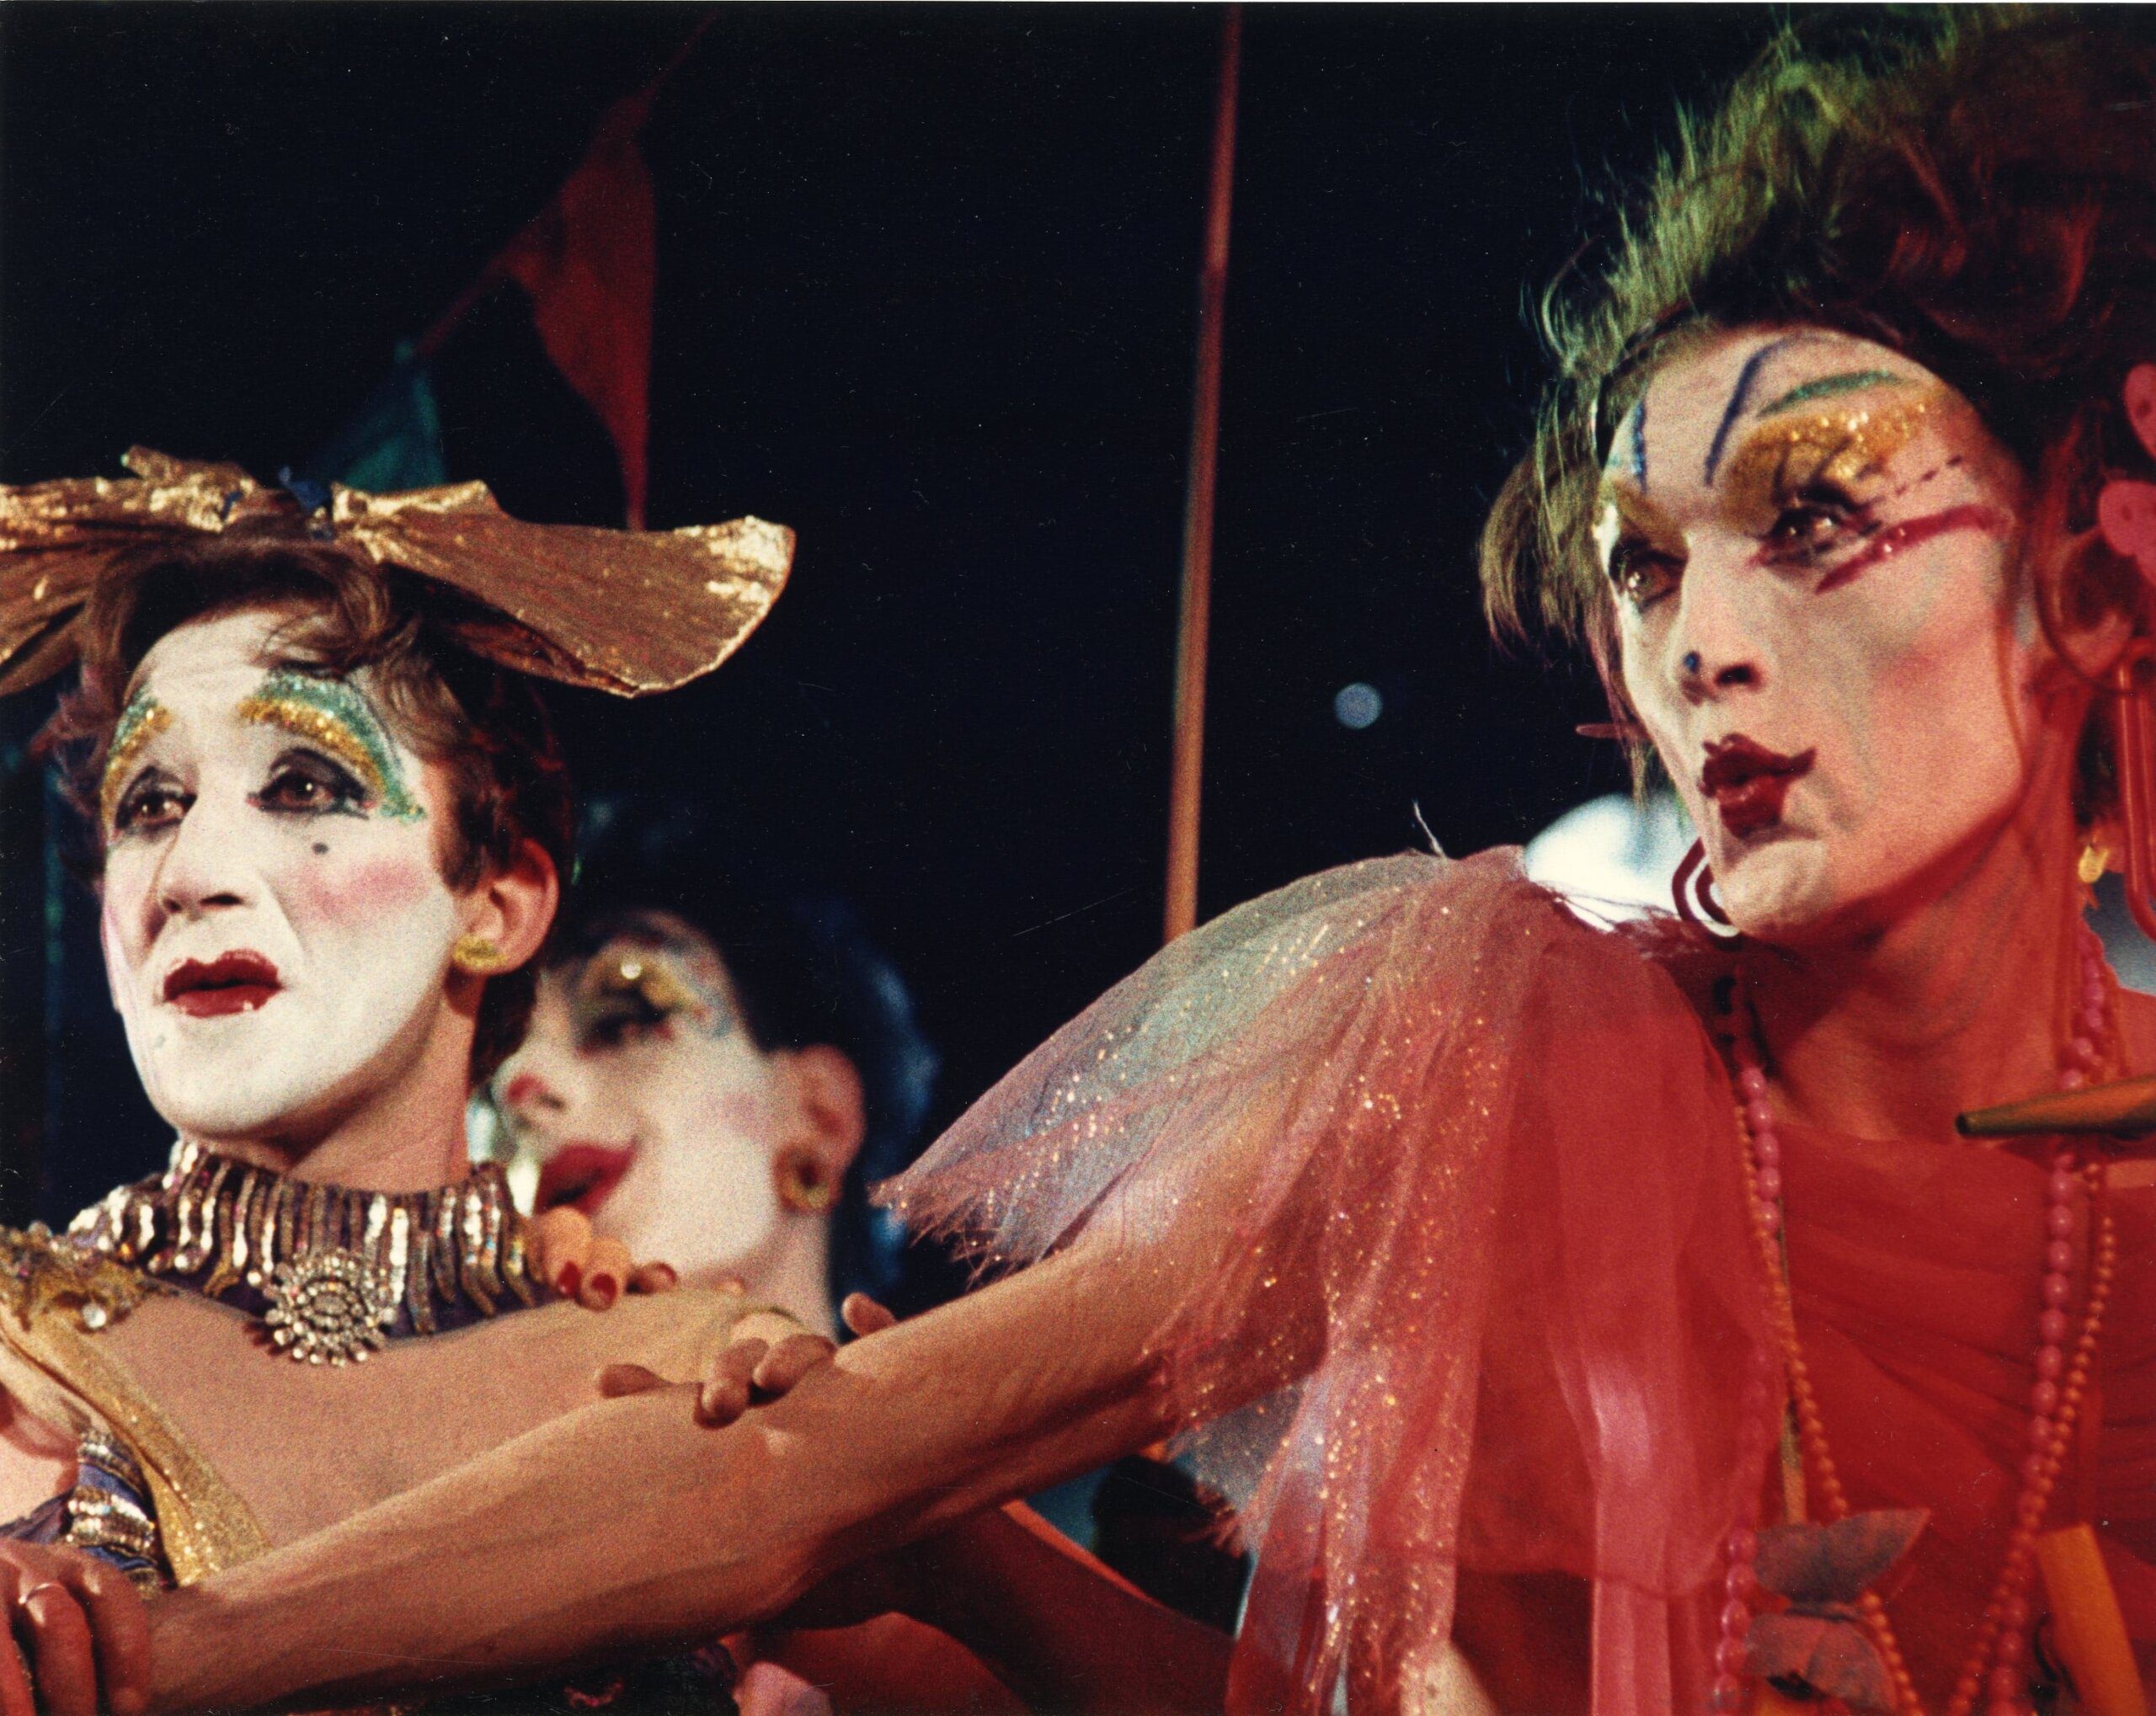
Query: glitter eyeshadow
660, 983
1838, 446
663, 978
141, 720
329, 714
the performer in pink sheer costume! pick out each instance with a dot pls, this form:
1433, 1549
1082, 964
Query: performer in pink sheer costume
1819, 489
1581, 1320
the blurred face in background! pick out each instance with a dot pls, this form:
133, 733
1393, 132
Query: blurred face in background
648, 1105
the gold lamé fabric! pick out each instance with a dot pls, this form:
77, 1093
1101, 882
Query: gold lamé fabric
1477, 1291
55, 1366
627, 612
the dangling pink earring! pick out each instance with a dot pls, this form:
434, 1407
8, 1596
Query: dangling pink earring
2125, 514
1698, 901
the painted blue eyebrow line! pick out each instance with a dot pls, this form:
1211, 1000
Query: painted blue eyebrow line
1827, 387
1738, 394
1640, 443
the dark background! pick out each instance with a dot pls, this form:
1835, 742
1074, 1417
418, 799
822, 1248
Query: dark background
926, 294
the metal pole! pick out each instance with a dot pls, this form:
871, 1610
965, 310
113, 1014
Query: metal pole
1186, 768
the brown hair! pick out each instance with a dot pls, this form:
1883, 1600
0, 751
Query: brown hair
485, 725
1976, 190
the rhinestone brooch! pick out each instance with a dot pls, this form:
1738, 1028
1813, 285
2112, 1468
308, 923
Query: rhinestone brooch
331, 1308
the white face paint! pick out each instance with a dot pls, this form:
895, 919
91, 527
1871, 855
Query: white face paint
649, 1106
1824, 624
276, 926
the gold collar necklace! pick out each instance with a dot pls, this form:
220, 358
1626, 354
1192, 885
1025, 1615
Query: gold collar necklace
333, 1273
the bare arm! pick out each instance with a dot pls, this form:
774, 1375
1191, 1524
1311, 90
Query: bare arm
1000, 1613
625, 1526
1061, 1630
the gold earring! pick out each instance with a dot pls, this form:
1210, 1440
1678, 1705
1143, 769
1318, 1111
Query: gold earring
477, 955
804, 1187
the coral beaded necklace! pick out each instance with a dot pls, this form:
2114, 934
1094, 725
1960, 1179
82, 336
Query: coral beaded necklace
1996, 1673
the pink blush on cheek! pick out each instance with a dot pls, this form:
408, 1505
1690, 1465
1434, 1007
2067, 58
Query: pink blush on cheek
741, 1112
373, 887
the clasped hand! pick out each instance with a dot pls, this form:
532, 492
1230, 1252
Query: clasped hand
80, 1631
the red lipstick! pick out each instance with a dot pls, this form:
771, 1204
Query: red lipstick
238, 981
1748, 782
583, 1176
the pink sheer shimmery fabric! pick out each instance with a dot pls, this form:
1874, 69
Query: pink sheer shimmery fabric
1489, 1300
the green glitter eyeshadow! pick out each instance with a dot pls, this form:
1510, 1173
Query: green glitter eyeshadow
141, 720
329, 714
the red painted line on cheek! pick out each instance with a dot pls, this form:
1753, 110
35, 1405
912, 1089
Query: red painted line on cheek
1895, 539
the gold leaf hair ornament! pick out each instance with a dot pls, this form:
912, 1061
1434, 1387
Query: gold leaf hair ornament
630, 612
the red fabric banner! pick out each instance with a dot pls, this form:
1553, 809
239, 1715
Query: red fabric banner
588, 260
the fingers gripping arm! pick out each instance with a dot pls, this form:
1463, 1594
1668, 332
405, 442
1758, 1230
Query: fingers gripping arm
627, 1526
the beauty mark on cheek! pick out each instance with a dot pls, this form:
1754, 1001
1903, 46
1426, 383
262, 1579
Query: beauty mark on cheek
328, 713
141, 720
1895, 539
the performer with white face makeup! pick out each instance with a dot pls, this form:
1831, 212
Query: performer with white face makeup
276, 924
1693, 1316
330, 824
709, 1115
648, 1107
721, 1109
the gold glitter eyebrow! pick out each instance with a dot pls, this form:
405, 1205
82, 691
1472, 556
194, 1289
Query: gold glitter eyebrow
330, 714
633, 972
141, 720
1635, 508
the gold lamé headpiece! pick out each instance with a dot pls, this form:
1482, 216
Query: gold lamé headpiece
625, 611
